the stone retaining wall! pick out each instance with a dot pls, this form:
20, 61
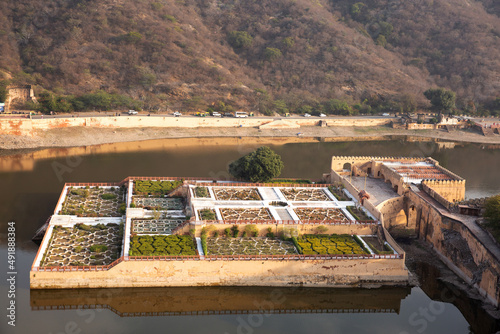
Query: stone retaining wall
29, 126
319, 273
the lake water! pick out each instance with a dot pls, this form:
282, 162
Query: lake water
31, 182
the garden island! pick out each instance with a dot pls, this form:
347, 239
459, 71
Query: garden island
164, 231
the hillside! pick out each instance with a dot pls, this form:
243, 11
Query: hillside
259, 55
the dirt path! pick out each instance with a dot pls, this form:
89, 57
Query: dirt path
84, 136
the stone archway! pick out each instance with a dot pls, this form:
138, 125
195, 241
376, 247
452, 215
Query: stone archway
347, 166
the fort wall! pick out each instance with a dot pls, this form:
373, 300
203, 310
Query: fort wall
459, 248
445, 191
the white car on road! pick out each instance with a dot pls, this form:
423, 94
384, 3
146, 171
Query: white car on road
132, 112
322, 115
216, 114
177, 114
307, 115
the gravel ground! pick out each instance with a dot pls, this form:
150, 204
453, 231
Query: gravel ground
84, 136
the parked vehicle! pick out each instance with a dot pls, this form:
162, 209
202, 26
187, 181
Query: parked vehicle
385, 114
241, 114
322, 115
307, 115
177, 114
216, 114
132, 112
228, 114
202, 113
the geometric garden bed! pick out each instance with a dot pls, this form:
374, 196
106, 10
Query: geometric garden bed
84, 245
335, 244
94, 202
321, 214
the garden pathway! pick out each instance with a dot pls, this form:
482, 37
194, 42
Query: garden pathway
268, 194
200, 248
284, 214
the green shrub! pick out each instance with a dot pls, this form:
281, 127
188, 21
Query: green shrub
98, 248
235, 231
270, 233
227, 232
83, 227
123, 208
204, 244
251, 230
201, 192
297, 246
360, 243
278, 203
108, 196
207, 214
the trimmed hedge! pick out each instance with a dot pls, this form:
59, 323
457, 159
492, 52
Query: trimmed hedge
156, 187
162, 245
324, 244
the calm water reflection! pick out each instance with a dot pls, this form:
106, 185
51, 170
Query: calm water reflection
31, 184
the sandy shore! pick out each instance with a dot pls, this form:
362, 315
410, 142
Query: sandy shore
84, 136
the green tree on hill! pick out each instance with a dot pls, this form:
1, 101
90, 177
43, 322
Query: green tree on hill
441, 98
272, 54
240, 39
259, 166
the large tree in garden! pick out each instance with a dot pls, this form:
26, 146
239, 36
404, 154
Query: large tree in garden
259, 166
441, 98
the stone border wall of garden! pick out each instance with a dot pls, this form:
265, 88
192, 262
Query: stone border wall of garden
298, 257
289, 222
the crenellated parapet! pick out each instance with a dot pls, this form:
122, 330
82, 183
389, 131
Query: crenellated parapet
338, 162
447, 190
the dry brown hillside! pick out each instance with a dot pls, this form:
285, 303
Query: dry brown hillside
262, 55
